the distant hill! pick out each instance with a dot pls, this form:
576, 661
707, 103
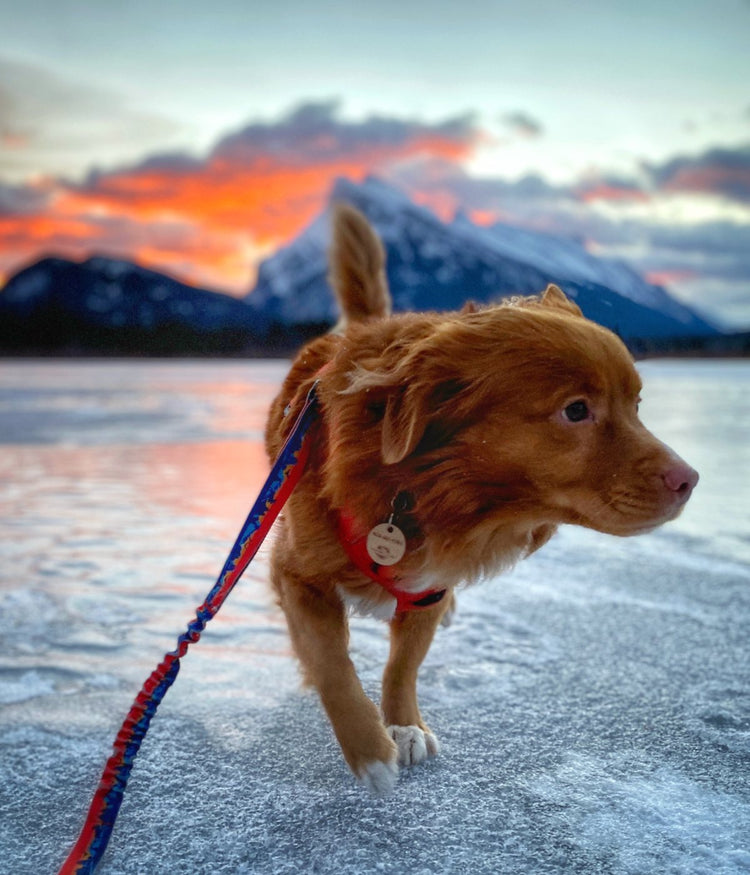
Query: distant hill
113, 307
106, 306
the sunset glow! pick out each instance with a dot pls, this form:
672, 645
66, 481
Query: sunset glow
206, 222
210, 219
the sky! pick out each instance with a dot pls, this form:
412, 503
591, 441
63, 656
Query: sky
196, 138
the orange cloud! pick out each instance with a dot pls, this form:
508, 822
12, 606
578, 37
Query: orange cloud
209, 221
605, 190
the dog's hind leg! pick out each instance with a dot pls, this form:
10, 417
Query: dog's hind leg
411, 635
319, 632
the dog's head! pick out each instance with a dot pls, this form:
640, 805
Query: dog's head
525, 413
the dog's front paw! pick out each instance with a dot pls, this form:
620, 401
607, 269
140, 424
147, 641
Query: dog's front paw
379, 776
414, 744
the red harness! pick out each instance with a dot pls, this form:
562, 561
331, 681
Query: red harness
355, 546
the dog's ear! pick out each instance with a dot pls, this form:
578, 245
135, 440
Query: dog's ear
399, 398
420, 415
404, 422
413, 397
554, 296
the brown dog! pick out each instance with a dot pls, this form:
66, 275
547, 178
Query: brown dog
448, 447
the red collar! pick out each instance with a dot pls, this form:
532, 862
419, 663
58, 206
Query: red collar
355, 547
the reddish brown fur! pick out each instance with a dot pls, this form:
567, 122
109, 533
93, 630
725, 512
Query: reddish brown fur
464, 412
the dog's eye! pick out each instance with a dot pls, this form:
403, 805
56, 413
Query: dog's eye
577, 411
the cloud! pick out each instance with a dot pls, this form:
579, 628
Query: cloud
314, 133
662, 229
22, 199
606, 187
523, 124
446, 188
209, 219
50, 123
722, 172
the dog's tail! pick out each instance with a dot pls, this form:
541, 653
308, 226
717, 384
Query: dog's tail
357, 268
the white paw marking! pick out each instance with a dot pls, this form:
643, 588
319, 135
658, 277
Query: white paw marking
414, 744
379, 777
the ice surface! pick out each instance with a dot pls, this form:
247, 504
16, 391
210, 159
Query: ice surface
657, 821
593, 706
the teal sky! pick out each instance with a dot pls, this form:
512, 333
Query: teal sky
609, 82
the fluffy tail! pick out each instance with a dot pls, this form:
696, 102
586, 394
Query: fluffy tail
357, 268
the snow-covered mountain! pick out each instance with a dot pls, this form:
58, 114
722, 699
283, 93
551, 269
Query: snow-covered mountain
432, 265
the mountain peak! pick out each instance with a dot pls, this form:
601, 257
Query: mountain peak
433, 265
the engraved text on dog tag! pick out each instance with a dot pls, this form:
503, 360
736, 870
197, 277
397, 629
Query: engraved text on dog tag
386, 544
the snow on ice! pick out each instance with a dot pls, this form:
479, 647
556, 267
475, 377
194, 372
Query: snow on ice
592, 707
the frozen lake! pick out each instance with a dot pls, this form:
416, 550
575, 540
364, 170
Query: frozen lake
593, 706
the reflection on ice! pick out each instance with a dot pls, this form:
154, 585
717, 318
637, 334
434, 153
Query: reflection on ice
18, 687
593, 706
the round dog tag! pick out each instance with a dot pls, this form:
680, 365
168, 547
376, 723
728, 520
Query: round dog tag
386, 544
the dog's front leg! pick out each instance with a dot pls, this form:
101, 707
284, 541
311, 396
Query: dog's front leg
411, 635
320, 635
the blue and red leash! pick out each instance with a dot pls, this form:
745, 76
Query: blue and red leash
102, 813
